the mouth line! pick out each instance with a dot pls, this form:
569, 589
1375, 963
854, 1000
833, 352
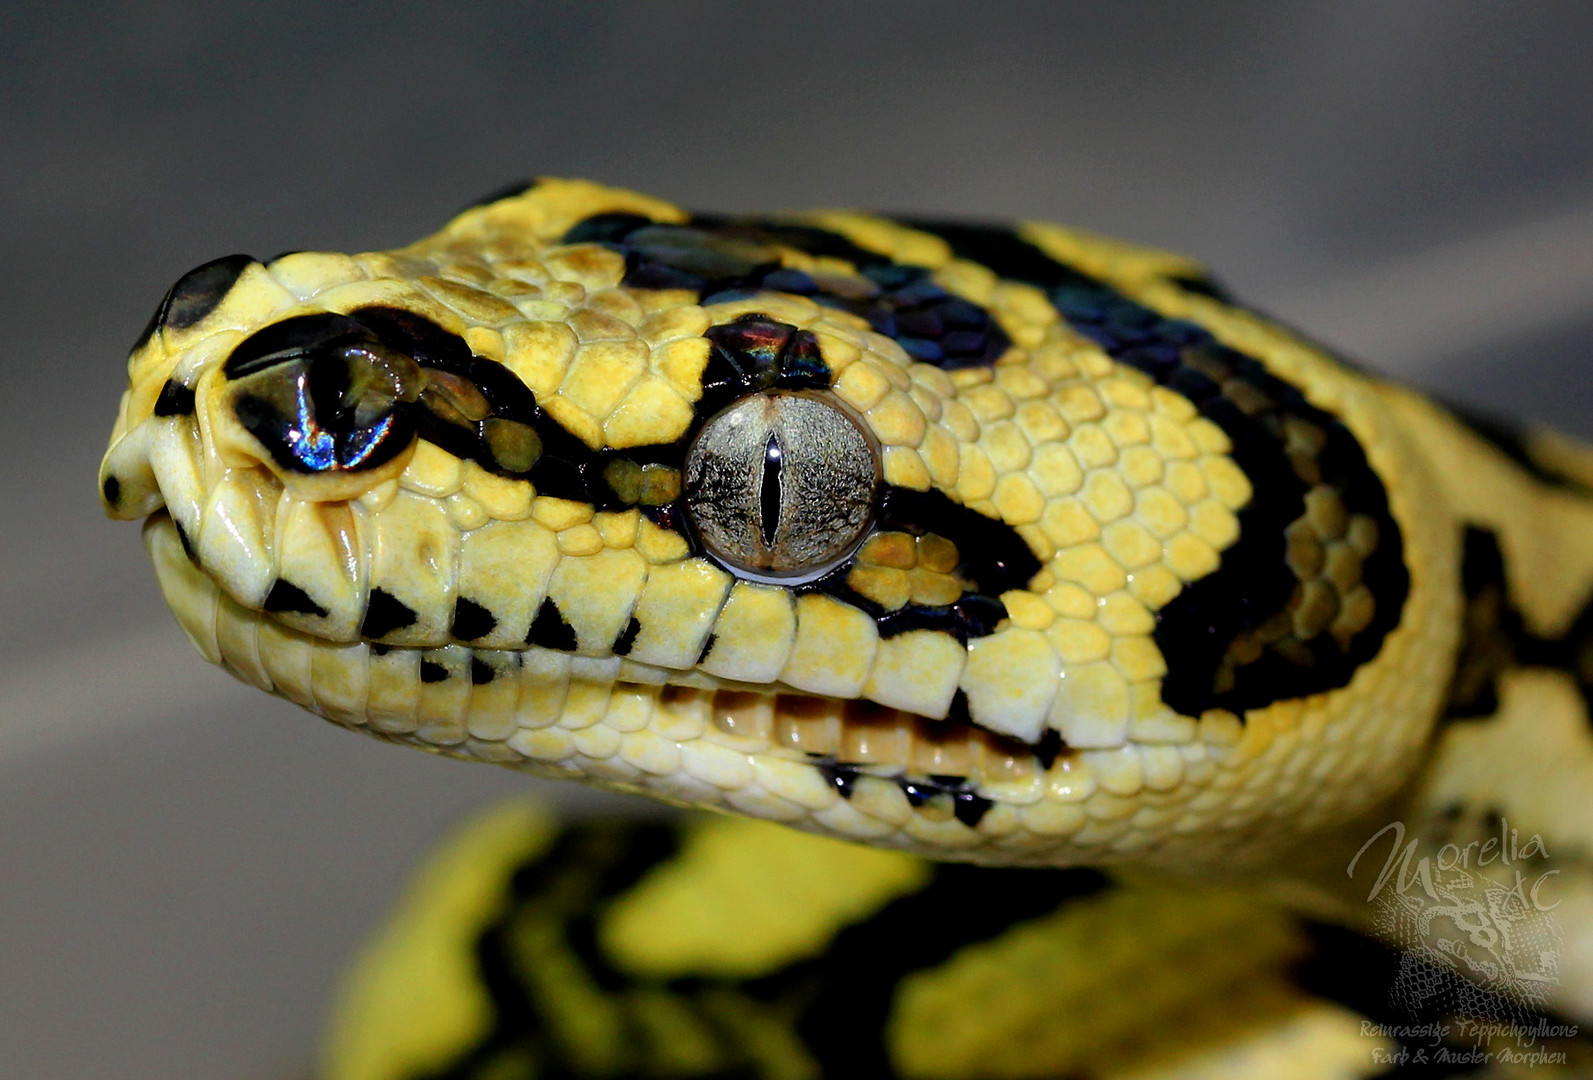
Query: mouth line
846, 738
951, 765
945, 768
858, 733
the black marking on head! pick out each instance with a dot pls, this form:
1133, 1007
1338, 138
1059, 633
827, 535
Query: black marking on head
481, 672
434, 348
285, 254
707, 647
671, 517
994, 556
752, 353
1515, 443
508, 191
967, 806
726, 259
378, 649
972, 616
1226, 638
195, 295
808, 239
286, 597
432, 672
995, 559
385, 613
842, 778
1049, 748
549, 629
1203, 285
627, 638
471, 620
187, 544
175, 400
609, 228
111, 489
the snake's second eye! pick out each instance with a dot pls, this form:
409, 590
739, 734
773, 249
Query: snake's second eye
322, 394
782, 486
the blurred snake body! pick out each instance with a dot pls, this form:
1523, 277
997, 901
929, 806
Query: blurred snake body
1012, 546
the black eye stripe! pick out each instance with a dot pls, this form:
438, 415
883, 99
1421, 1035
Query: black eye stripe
508, 191
994, 557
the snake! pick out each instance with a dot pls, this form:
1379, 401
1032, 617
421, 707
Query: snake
1015, 554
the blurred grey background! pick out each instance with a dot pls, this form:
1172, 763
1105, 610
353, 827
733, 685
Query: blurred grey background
184, 863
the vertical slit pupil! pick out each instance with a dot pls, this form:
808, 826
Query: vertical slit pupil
769, 492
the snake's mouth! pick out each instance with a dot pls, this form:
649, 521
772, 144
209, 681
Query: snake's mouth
951, 765
534, 706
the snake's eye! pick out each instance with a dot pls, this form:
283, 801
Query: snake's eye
322, 394
782, 486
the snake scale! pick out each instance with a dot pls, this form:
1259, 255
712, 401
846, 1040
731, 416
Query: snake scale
1010, 546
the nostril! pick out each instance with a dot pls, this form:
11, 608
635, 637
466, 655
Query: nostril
322, 395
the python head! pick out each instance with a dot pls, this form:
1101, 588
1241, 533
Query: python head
1001, 544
